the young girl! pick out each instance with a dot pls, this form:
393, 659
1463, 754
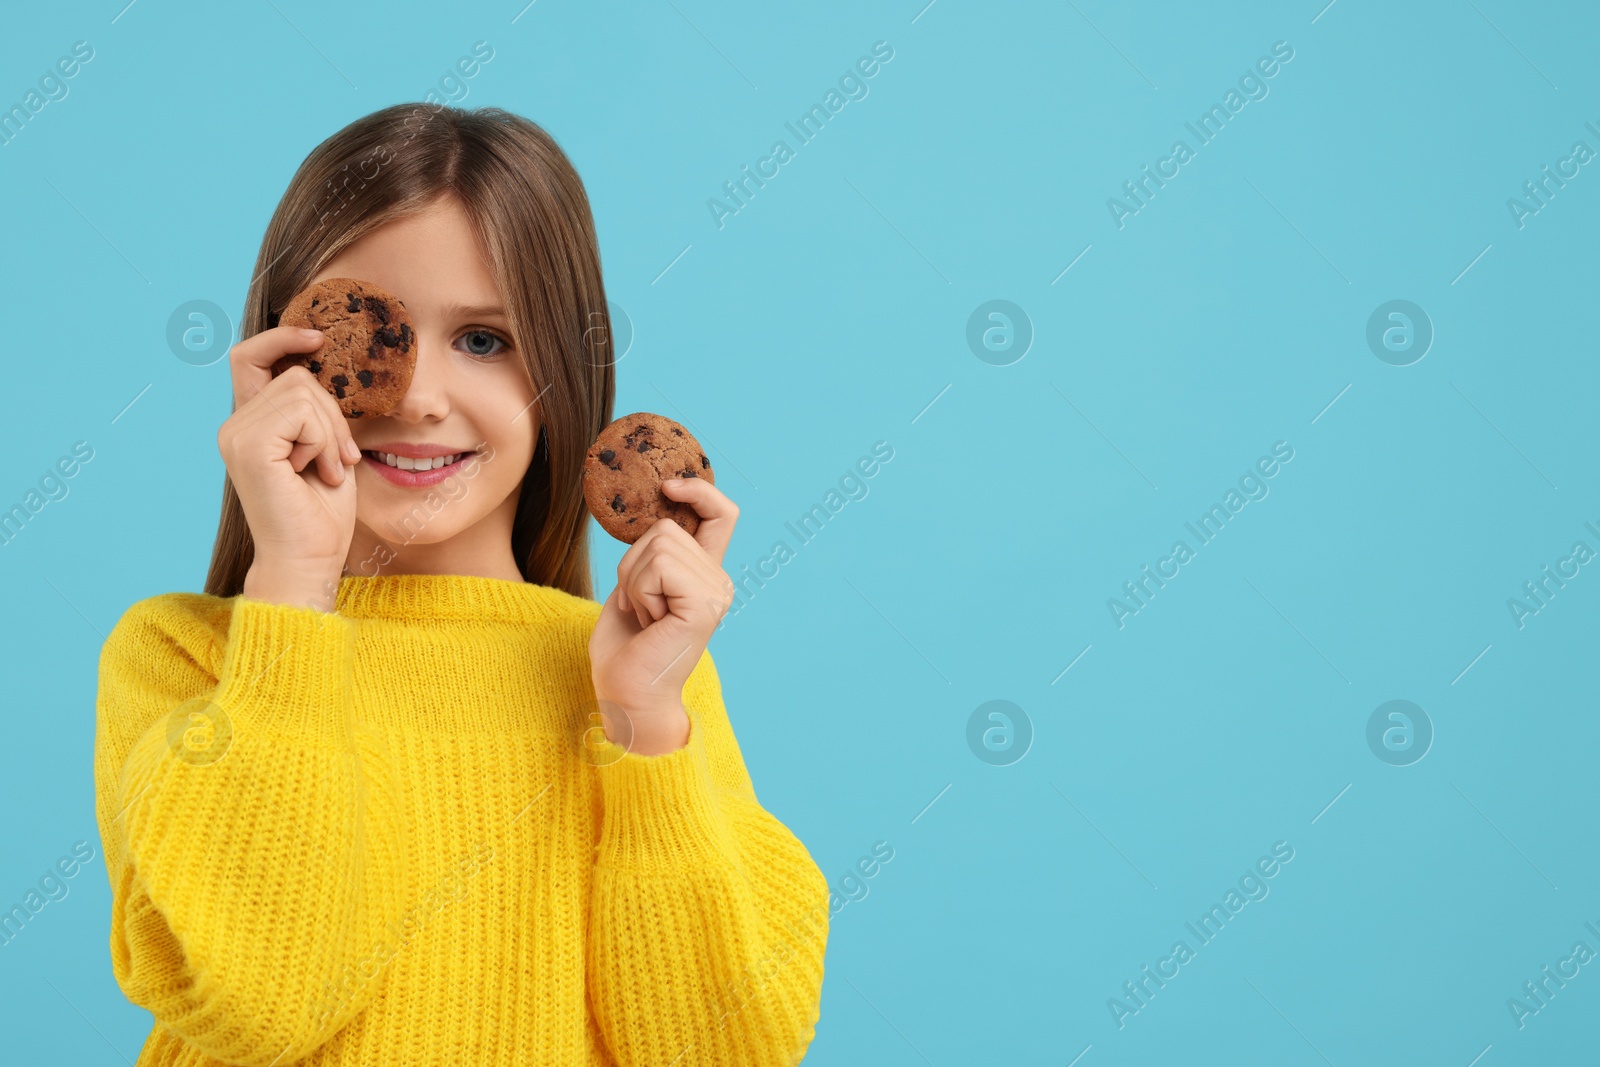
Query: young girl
395, 789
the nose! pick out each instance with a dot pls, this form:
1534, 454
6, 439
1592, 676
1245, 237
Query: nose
428, 395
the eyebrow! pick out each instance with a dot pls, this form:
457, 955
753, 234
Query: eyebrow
469, 311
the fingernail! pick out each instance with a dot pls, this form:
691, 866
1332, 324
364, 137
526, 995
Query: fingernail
672, 483
310, 335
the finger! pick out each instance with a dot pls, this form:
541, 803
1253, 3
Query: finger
630, 559
329, 464
676, 571
288, 412
301, 455
632, 605
330, 460
706, 571
647, 602
336, 442
663, 527
717, 513
685, 546
630, 569
304, 406
250, 361
619, 598
623, 568
628, 604
630, 574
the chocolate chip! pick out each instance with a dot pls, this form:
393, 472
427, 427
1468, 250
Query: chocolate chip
388, 338
315, 301
314, 366
357, 414
618, 505
644, 446
339, 382
379, 309
704, 462
687, 473
677, 431
365, 378
607, 456
355, 302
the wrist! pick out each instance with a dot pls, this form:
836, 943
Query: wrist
302, 583
645, 729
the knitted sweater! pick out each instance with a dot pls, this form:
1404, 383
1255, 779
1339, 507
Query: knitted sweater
396, 834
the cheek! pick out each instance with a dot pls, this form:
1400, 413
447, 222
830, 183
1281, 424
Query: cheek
509, 419
496, 476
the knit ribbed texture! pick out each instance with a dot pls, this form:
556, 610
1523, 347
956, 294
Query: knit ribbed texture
395, 834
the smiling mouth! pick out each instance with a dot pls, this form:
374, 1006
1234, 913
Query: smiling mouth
406, 463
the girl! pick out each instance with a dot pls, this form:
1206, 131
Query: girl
395, 789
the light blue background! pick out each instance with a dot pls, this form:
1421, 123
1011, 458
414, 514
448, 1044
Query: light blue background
827, 315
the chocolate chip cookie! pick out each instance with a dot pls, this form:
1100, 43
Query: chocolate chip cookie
624, 469
368, 350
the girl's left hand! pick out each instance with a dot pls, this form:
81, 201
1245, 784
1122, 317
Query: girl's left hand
671, 593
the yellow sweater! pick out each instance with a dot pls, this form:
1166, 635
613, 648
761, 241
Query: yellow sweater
396, 834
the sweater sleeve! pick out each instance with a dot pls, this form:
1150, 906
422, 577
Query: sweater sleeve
250, 824
708, 918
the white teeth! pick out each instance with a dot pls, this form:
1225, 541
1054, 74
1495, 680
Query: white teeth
406, 463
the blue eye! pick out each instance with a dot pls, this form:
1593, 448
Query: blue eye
481, 344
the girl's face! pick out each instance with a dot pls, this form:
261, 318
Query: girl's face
470, 393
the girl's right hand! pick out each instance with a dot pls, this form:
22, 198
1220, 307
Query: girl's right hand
286, 447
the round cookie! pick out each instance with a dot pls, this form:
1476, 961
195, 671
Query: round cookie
368, 350
624, 469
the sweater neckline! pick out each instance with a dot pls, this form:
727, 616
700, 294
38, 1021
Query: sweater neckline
453, 596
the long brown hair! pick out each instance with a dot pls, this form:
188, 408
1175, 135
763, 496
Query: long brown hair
532, 216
